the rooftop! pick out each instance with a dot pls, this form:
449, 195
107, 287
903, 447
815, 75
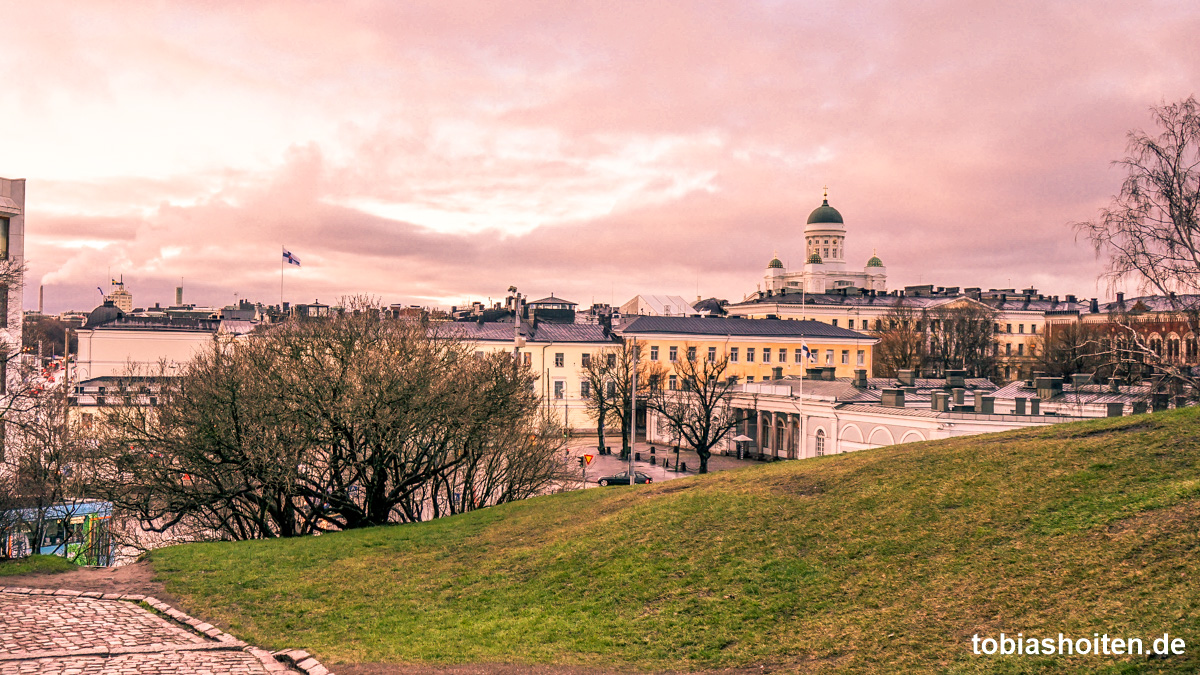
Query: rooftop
689, 325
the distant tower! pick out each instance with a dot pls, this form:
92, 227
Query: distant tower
121, 298
179, 296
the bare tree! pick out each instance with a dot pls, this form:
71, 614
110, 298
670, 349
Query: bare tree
1069, 348
962, 336
1150, 232
697, 411
903, 343
330, 424
609, 374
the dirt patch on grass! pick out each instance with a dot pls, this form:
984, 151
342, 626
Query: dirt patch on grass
130, 579
1093, 433
797, 486
1149, 524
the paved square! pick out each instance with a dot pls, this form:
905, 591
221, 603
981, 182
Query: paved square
43, 632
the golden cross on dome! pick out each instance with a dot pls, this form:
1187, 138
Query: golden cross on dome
826, 192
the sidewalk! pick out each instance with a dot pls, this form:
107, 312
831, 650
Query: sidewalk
607, 465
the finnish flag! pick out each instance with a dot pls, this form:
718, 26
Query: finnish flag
292, 260
808, 355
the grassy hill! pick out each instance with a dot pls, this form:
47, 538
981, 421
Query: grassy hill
879, 561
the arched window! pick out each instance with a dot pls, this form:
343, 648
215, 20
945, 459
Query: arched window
820, 442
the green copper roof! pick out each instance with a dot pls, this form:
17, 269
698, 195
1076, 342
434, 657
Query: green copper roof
775, 264
814, 259
874, 262
824, 214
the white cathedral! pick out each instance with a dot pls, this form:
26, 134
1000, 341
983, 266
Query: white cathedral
825, 268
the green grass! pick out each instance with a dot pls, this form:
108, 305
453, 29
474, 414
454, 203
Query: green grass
880, 561
36, 564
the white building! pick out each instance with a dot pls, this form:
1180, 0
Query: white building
825, 268
658, 305
12, 256
112, 345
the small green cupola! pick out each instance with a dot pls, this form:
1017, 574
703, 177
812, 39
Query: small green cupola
874, 261
776, 263
814, 259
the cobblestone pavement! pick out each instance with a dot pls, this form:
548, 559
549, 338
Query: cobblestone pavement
68, 632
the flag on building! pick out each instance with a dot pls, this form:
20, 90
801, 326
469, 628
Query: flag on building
292, 260
808, 354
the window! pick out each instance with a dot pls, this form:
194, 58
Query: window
712, 353
674, 354
782, 355
862, 357
691, 353
585, 389
612, 361
846, 356
1021, 349
1008, 328
829, 357
611, 390
3, 238
479, 353
833, 323
749, 354
4, 306
766, 354
997, 328
528, 358
558, 360
820, 442
733, 354
586, 360
672, 382
850, 323
560, 390
1021, 328
1033, 328
1008, 348
878, 324
749, 379
654, 352
799, 356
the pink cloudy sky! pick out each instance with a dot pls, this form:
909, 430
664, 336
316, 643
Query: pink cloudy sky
431, 152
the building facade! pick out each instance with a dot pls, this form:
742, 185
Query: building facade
12, 258
757, 349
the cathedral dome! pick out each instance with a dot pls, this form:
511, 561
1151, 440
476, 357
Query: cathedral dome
824, 214
814, 259
775, 263
103, 314
874, 262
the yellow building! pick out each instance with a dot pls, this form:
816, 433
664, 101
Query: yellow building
758, 349
556, 353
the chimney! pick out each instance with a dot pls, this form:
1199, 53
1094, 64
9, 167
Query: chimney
1114, 385
829, 373
956, 378
1094, 308
1048, 387
907, 378
1120, 298
860, 378
939, 401
813, 373
1019, 405
178, 295
1035, 406
1080, 379
892, 398
960, 396
777, 373
988, 405
41, 297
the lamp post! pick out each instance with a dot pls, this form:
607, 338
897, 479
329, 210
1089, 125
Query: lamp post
633, 410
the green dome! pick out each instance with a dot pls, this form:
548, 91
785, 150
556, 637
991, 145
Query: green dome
824, 214
814, 259
874, 262
775, 264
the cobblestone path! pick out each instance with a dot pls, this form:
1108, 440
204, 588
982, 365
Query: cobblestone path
73, 633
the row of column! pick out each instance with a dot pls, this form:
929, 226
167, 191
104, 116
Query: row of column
776, 433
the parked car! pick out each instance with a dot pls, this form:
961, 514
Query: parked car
623, 479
